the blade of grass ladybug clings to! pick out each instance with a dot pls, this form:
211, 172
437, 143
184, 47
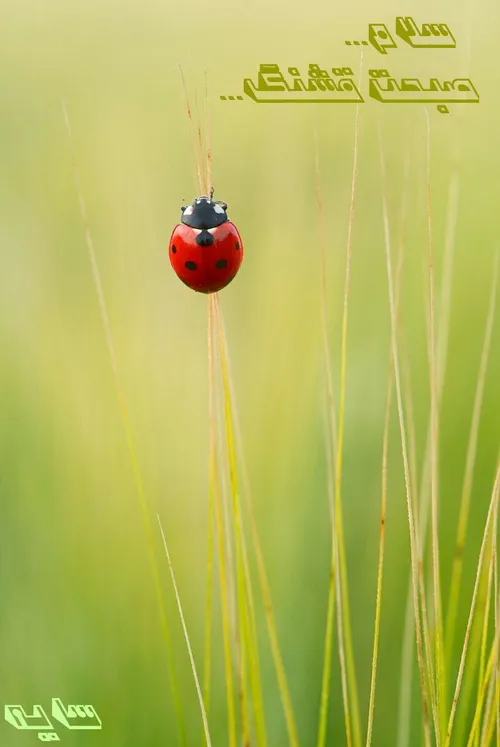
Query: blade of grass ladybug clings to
213, 470
252, 644
197, 154
261, 569
348, 673
208, 138
223, 470
414, 553
229, 393
186, 636
385, 449
242, 645
217, 500
212, 477
217, 487
235, 534
246, 614
438, 612
249, 625
424, 492
236, 629
143, 506
201, 155
224, 524
212, 457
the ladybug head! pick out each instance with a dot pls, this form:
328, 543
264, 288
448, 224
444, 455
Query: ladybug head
204, 213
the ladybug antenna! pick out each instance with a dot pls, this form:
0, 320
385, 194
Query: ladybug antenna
212, 190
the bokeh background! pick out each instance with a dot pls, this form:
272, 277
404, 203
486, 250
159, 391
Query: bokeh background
79, 617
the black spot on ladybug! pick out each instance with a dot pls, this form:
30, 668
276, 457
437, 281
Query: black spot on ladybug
221, 263
173, 249
237, 245
205, 239
190, 265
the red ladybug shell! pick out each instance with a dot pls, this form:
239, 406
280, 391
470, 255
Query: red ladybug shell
205, 250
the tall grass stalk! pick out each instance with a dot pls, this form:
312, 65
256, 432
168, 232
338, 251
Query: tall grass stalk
385, 450
488, 726
476, 660
246, 605
496, 622
227, 524
242, 588
331, 422
434, 395
215, 487
207, 668
483, 685
338, 559
404, 447
489, 523
486, 613
241, 632
424, 491
259, 556
197, 144
463, 515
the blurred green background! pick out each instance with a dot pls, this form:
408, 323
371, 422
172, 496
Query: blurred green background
79, 618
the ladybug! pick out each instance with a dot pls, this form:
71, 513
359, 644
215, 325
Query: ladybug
205, 249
